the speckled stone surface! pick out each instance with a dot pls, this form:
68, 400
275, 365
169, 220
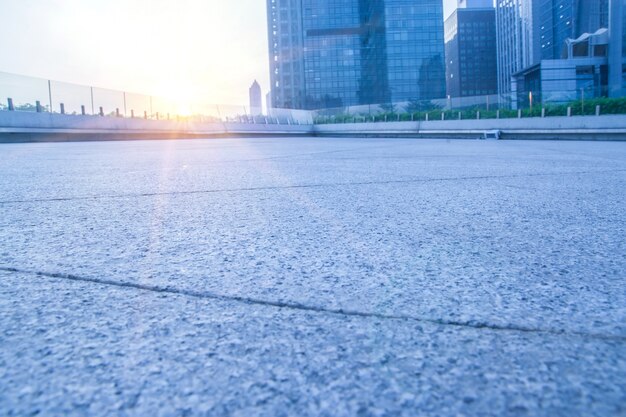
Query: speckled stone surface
313, 277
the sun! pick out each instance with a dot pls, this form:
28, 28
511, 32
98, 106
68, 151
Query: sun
179, 98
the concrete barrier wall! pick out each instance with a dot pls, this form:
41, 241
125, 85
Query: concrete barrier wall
25, 126
612, 127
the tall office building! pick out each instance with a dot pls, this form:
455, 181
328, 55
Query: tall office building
470, 35
332, 53
256, 99
516, 41
617, 48
559, 20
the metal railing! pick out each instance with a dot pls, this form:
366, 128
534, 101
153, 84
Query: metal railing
30, 94
565, 103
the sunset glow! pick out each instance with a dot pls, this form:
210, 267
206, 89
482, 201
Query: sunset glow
193, 51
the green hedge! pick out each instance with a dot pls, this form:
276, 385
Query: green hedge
607, 106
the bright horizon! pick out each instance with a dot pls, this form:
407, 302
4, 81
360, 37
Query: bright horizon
197, 51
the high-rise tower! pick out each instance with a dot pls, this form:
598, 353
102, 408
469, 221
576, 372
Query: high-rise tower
471, 64
331, 53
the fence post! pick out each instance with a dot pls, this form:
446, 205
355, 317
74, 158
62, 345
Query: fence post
101, 111
569, 112
145, 114
11, 106
426, 116
460, 116
498, 114
598, 110
132, 113
478, 115
543, 112
82, 109
443, 116
38, 106
92, 107
157, 115
62, 108
117, 112
519, 113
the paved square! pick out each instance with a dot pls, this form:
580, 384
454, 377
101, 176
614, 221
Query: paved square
308, 276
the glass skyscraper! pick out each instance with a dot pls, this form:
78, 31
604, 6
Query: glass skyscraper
559, 20
332, 53
515, 46
471, 64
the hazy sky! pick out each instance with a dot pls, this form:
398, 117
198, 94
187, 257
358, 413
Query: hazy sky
206, 50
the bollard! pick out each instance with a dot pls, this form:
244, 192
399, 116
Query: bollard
543, 112
157, 115
145, 115
443, 116
117, 112
460, 116
132, 113
62, 108
426, 116
519, 113
11, 106
569, 112
101, 113
412, 116
82, 110
598, 110
38, 106
497, 114
478, 115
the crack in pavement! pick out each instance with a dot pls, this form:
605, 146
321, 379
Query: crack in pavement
315, 309
321, 185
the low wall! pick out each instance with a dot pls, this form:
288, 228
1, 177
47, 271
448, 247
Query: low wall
610, 127
46, 127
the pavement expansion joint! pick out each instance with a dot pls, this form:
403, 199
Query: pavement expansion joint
315, 309
296, 186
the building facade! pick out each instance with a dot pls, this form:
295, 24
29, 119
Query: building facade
471, 56
335, 53
516, 42
617, 48
560, 20
582, 73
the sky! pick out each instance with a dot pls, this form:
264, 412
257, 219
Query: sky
202, 51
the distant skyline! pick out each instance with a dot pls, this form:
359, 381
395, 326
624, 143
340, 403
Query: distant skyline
201, 51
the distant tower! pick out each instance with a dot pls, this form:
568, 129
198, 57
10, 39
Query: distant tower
256, 99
